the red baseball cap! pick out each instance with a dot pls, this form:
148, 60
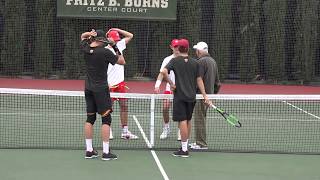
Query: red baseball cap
174, 43
183, 43
114, 35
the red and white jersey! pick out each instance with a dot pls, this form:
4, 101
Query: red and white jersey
116, 72
171, 73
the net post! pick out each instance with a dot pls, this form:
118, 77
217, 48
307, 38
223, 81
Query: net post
152, 105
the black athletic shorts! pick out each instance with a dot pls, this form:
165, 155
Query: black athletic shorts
98, 101
182, 110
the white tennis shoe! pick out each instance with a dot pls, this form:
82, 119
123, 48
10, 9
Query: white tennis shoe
165, 133
128, 135
196, 146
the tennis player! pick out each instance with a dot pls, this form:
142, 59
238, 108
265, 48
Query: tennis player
97, 94
187, 78
116, 79
166, 103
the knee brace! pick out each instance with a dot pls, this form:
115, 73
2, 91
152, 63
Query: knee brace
106, 119
91, 118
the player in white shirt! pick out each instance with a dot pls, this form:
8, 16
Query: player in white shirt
166, 103
116, 80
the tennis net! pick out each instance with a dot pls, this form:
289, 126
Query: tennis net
54, 119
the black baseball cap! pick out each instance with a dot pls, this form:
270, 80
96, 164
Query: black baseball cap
101, 35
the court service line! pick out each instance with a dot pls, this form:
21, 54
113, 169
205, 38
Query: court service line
302, 110
154, 155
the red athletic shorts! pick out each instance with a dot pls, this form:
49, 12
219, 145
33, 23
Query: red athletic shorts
119, 88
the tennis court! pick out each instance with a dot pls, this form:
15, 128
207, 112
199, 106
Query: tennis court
44, 139
268, 58
136, 165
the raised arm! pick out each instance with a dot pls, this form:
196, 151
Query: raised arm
127, 35
88, 35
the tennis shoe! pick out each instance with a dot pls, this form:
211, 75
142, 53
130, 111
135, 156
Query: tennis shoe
181, 153
178, 135
91, 154
165, 133
196, 146
128, 135
109, 156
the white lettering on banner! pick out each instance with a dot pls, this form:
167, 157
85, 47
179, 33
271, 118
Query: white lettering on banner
137, 3
165, 4
147, 3
134, 10
102, 9
92, 3
85, 2
77, 2
113, 3
127, 3
100, 3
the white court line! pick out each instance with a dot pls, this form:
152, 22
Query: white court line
302, 110
41, 113
210, 117
154, 155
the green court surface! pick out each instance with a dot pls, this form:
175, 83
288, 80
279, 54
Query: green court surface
30, 164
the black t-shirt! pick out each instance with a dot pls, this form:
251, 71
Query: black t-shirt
97, 60
186, 71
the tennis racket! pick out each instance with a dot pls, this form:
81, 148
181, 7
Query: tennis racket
231, 119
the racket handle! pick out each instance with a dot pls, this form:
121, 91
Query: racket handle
213, 106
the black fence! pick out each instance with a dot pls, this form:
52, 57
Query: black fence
270, 41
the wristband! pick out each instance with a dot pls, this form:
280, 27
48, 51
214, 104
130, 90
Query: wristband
115, 48
158, 83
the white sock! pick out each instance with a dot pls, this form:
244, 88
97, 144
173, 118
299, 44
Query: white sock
166, 126
184, 145
89, 145
125, 129
105, 147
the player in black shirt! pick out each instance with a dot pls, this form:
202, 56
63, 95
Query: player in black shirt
187, 78
97, 93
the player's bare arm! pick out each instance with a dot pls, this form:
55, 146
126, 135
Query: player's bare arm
87, 35
127, 35
121, 60
203, 91
158, 83
165, 75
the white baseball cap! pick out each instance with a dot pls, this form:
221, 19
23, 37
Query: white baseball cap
201, 46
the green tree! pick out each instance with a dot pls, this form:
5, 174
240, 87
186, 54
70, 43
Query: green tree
73, 58
275, 12
188, 20
249, 32
222, 40
12, 51
43, 59
307, 20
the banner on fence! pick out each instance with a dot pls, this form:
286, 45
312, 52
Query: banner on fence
118, 9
